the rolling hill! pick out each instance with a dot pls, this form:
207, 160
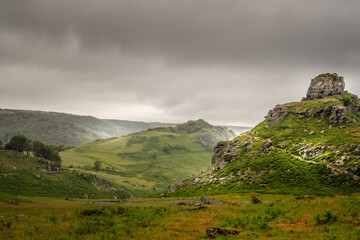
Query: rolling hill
54, 128
150, 161
307, 147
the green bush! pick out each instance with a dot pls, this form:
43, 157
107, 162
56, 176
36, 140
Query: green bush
97, 165
325, 218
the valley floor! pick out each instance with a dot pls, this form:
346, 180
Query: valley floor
278, 217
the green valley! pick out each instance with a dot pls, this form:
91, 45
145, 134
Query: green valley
148, 162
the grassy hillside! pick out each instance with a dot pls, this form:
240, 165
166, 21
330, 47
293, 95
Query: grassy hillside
23, 175
65, 129
308, 147
150, 161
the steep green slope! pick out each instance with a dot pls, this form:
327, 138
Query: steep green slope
150, 161
308, 147
24, 175
65, 129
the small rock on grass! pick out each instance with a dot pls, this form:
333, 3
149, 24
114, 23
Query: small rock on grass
213, 232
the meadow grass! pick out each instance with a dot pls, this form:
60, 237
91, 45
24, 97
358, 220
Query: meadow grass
278, 217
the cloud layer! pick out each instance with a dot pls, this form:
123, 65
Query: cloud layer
224, 61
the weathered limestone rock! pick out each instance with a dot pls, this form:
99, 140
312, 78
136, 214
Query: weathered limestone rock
225, 152
277, 114
338, 115
325, 85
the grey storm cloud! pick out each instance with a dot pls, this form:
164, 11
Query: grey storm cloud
159, 60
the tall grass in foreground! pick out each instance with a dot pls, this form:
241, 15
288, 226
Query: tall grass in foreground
283, 217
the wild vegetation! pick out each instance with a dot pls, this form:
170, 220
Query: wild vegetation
278, 217
150, 161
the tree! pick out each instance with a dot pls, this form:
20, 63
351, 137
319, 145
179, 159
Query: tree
97, 165
18, 143
1, 143
41, 150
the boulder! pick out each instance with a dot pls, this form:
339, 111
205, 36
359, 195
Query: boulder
204, 200
213, 232
277, 114
325, 85
255, 200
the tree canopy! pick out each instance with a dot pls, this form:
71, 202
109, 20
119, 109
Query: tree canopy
41, 150
19, 143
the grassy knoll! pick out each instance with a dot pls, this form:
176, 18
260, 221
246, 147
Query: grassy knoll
150, 161
279, 217
23, 175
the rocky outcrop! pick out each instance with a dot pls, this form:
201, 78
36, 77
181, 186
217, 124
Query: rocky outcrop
338, 115
46, 165
325, 85
277, 114
225, 152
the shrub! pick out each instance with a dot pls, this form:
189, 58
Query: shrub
325, 218
97, 165
5, 223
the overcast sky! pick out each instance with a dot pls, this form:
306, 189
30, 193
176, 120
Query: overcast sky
226, 61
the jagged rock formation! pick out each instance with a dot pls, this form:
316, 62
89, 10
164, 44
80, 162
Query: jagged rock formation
224, 152
325, 85
322, 86
277, 114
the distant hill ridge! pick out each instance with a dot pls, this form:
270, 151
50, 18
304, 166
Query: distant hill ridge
66, 129
54, 128
307, 147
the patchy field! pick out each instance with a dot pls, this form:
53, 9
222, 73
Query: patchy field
278, 217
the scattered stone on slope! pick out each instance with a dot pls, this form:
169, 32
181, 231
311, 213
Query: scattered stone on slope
313, 152
325, 85
277, 114
266, 148
204, 200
